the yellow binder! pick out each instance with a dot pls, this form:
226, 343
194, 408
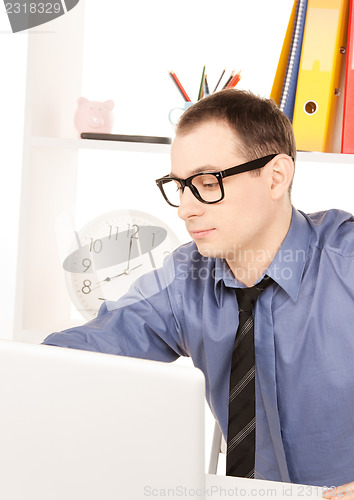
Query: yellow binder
283, 59
318, 87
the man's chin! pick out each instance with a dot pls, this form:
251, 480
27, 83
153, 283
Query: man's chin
210, 252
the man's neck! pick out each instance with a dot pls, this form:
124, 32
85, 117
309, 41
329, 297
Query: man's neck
250, 263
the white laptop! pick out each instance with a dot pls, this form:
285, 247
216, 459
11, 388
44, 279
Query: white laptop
78, 425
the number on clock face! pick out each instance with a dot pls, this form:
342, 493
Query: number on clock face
113, 250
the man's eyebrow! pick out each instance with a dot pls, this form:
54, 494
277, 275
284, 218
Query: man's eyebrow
201, 170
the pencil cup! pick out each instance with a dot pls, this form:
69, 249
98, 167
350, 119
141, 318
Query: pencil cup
176, 113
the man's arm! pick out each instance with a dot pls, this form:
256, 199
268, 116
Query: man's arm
344, 492
143, 323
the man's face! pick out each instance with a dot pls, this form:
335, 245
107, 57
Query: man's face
238, 222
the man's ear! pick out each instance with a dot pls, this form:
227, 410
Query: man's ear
281, 175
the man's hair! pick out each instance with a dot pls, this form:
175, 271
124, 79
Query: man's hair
258, 123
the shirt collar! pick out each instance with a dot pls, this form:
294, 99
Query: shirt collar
287, 267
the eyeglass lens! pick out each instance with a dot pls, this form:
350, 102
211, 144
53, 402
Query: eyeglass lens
207, 186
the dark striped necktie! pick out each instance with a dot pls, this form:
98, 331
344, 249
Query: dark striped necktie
241, 439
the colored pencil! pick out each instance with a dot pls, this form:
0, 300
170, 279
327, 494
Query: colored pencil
179, 86
234, 81
206, 86
222, 74
229, 80
201, 87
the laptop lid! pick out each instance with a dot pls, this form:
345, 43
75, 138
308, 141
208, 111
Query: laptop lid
80, 425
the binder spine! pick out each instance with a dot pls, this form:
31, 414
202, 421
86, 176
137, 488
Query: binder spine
287, 99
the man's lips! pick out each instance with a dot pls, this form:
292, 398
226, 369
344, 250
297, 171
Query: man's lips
200, 233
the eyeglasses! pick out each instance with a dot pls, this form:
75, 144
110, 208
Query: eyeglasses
207, 187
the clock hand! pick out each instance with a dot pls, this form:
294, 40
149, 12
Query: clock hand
130, 248
100, 283
110, 278
129, 255
125, 272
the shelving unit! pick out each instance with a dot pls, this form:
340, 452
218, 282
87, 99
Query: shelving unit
50, 172
320, 158
53, 85
43, 304
76, 144
50, 166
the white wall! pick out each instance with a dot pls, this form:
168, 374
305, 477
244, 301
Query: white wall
13, 52
129, 61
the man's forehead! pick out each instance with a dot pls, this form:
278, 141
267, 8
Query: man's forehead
209, 146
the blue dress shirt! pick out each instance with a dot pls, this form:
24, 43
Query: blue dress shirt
304, 342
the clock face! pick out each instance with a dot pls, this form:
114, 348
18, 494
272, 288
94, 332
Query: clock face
111, 252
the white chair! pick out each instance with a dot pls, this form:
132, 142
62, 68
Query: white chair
218, 446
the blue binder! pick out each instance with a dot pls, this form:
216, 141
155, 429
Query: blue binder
287, 99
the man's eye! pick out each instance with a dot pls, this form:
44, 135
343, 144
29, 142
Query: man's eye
209, 182
210, 185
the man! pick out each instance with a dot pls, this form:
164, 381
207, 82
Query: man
243, 228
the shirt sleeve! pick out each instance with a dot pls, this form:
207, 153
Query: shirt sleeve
143, 323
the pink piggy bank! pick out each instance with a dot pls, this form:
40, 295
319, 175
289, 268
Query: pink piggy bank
94, 116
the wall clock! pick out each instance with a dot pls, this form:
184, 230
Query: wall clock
112, 251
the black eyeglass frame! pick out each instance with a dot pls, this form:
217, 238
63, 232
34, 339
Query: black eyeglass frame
238, 169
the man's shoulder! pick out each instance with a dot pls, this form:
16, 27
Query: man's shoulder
332, 217
333, 230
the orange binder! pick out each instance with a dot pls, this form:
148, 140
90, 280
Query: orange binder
318, 87
348, 108
275, 93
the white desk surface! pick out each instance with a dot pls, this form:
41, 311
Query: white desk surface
226, 487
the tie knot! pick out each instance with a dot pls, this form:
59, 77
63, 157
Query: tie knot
246, 297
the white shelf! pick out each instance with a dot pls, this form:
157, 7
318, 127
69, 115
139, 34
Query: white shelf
317, 157
72, 143
142, 147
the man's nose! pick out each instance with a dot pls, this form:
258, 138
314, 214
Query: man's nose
189, 205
